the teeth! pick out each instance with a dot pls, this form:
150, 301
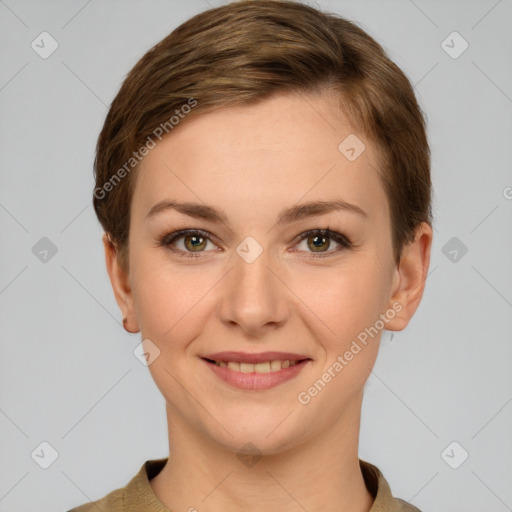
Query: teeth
266, 367
232, 366
275, 366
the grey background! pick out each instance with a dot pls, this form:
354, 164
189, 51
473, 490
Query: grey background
68, 373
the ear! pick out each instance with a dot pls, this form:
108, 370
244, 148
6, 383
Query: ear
121, 285
410, 277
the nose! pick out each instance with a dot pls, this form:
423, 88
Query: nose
255, 298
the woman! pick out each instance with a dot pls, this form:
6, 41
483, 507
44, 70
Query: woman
263, 180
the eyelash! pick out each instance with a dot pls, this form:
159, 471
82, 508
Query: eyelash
168, 239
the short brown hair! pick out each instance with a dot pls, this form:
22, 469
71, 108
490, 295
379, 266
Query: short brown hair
243, 52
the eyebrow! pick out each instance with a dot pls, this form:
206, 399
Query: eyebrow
286, 216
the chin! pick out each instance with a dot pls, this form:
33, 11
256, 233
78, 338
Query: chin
256, 439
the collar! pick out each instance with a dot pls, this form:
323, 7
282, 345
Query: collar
138, 494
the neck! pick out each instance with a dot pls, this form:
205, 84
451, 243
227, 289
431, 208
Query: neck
320, 474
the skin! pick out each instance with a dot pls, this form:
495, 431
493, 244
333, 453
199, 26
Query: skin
252, 162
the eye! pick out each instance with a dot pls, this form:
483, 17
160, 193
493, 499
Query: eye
318, 241
193, 242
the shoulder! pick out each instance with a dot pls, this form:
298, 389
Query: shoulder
404, 506
112, 502
384, 501
136, 495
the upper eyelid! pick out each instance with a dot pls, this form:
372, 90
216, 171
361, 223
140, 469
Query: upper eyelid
180, 233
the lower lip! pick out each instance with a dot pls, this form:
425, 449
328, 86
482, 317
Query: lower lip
256, 381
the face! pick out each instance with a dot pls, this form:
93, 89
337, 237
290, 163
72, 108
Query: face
264, 277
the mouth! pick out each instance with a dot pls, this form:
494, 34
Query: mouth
256, 371
270, 366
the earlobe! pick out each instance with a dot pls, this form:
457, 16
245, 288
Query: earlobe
410, 278
121, 285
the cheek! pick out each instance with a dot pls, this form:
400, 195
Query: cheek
344, 300
348, 294
170, 307
169, 302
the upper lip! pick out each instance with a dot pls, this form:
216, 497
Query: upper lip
244, 357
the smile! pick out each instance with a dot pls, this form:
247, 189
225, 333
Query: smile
265, 367
256, 376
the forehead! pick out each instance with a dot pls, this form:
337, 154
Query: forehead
279, 151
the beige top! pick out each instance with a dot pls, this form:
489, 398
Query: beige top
138, 496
